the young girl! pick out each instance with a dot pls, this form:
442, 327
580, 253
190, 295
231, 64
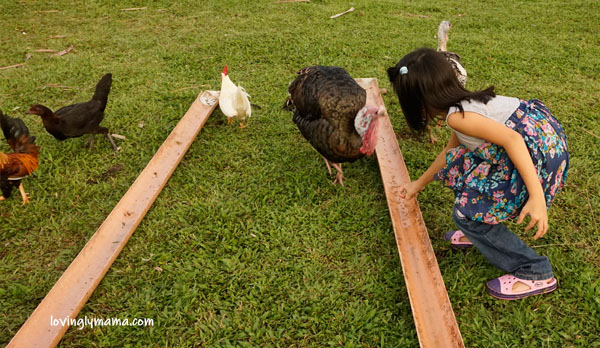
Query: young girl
506, 157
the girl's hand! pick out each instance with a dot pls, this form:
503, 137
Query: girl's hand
410, 190
536, 209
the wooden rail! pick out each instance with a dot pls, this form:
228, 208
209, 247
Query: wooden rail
83, 275
434, 319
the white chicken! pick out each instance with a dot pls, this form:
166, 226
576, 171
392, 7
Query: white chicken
451, 57
233, 100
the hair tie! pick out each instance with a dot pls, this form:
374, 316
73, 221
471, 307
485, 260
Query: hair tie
403, 70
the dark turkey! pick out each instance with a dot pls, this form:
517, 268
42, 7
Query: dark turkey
330, 112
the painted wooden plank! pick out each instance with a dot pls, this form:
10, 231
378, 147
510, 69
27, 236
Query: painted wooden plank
83, 275
432, 312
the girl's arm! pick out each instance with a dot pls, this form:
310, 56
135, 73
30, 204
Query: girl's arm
409, 190
479, 126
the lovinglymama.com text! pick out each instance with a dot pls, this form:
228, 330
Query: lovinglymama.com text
84, 322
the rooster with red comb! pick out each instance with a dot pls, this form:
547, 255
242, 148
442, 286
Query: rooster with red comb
233, 100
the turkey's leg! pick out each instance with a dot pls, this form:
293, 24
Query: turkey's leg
328, 166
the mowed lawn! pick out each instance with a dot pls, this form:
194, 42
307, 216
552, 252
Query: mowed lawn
249, 244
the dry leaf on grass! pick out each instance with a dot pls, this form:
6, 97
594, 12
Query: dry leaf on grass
12, 66
412, 15
55, 85
134, 9
189, 87
63, 52
342, 13
590, 133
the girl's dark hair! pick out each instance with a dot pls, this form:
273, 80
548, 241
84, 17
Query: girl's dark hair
429, 85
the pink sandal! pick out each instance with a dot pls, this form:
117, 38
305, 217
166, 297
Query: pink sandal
502, 287
454, 238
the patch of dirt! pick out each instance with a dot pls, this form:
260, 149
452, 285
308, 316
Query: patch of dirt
109, 173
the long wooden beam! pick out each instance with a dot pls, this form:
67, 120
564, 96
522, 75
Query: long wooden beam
434, 318
83, 275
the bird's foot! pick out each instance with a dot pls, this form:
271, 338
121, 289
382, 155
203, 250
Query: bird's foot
242, 125
2, 198
26, 200
112, 142
229, 120
339, 176
339, 179
24, 195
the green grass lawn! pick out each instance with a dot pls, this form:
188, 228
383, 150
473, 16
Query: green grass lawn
249, 244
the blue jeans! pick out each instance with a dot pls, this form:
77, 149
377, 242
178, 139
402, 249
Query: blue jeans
503, 249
